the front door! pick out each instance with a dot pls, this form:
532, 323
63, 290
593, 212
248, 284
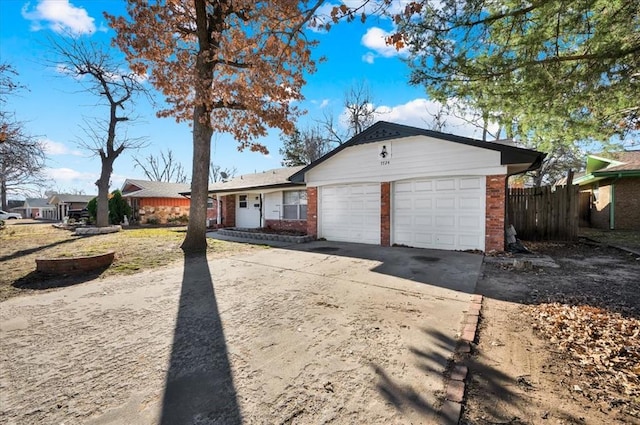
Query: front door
248, 210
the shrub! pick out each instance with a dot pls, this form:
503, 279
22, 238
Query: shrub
92, 208
153, 220
183, 218
118, 208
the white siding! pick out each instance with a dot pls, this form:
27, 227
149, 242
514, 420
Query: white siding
273, 205
411, 157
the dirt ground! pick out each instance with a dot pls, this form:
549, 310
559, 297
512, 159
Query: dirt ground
273, 336
558, 343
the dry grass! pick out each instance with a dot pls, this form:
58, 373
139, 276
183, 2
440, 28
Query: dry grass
624, 238
136, 249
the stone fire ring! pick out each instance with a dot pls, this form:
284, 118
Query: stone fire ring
74, 265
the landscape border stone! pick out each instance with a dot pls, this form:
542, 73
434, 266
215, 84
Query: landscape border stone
265, 236
455, 385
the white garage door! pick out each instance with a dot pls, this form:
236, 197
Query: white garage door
441, 213
350, 213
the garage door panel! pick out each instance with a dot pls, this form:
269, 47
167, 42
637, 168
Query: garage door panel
445, 184
446, 203
350, 213
470, 183
423, 186
441, 213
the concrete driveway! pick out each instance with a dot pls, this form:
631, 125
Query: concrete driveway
316, 333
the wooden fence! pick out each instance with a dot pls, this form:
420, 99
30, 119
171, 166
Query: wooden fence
540, 213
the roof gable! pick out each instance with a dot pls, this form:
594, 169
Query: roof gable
383, 130
153, 189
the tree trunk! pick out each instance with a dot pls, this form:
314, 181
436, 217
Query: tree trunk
196, 239
102, 215
3, 194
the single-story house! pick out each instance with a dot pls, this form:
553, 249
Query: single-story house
153, 200
64, 202
395, 184
36, 208
257, 200
611, 185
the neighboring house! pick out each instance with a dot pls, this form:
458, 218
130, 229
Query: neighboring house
610, 189
264, 199
154, 200
64, 202
37, 208
395, 184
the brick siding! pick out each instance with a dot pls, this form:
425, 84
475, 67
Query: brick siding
627, 203
295, 225
312, 211
385, 214
229, 211
494, 217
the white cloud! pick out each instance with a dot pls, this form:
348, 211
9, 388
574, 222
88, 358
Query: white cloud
368, 57
375, 39
60, 16
421, 112
324, 103
57, 148
68, 175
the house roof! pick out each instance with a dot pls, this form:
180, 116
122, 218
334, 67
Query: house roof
383, 130
69, 198
617, 164
153, 189
269, 179
37, 203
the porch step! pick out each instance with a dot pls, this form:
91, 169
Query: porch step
265, 236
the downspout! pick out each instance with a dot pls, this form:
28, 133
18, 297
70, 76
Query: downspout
612, 204
534, 166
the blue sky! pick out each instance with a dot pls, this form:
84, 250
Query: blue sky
54, 107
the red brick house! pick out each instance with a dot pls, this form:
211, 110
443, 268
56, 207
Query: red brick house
258, 200
156, 201
611, 184
395, 184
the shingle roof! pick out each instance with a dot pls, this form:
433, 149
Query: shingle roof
152, 189
69, 198
266, 179
38, 203
630, 160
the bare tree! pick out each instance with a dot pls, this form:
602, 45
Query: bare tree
162, 168
358, 114
219, 174
22, 157
93, 66
304, 146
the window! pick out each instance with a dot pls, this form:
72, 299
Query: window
242, 201
294, 205
209, 203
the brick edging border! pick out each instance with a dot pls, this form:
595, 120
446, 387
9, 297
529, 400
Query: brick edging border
451, 409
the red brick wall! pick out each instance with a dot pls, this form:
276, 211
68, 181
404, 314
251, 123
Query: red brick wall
385, 214
627, 203
495, 208
295, 225
312, 211
229, 211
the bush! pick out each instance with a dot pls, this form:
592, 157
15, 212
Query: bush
118, 208
153, 220
183, 218
92, 207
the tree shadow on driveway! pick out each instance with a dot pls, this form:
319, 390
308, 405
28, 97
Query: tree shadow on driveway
199, 385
